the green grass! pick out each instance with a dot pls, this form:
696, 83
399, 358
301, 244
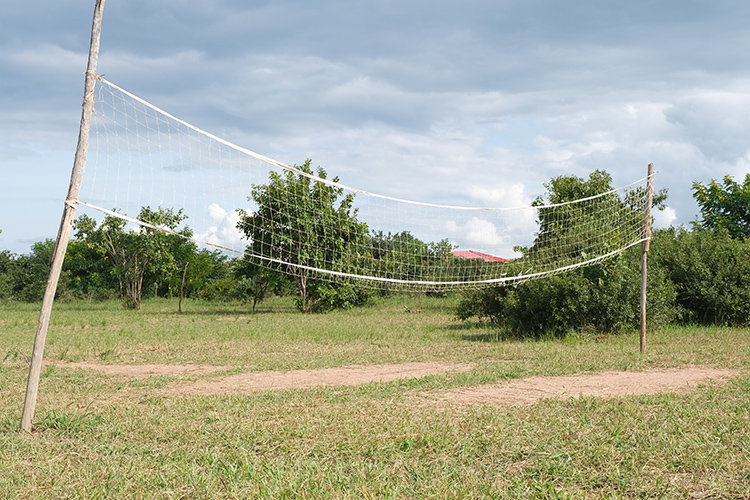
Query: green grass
103, 436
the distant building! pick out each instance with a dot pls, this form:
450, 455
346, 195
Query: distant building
471, 254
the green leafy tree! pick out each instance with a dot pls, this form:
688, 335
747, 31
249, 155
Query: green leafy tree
6, 262
6, 284
91, 273
603, 298
218, 283
24, 277
303, 224
30, 272
400, 256
143, 256
724, 206
710, 271
600, 298
587, 229
403, 256
201, 268
257, 282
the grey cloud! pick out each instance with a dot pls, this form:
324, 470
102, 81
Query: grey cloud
421, 99
13, 153
716, 122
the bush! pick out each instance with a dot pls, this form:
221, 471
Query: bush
221, 290
711, 274
600, 298
329, 296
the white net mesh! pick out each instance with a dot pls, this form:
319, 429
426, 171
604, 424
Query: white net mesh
295, 220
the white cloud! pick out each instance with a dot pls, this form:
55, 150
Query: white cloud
481, 235
224, 231
512, 196
664, 218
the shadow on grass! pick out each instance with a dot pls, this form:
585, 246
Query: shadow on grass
484, 337
478, 331
221, 312
229, 310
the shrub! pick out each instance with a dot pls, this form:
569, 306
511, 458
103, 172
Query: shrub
221, 290
328, 296
600, 298
711, 274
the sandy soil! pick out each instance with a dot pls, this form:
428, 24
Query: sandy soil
142, 371
513, 392
345, 375
613, 383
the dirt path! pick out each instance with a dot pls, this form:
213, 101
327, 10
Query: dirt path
513, 392
151, 370
614, 383
295, 379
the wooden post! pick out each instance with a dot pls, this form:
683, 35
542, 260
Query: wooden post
66, 224
644, 250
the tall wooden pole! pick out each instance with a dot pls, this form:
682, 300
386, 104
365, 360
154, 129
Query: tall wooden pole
644, 250
66, 224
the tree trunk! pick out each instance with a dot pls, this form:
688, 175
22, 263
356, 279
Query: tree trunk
182, 288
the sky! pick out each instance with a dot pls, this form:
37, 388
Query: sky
478, 102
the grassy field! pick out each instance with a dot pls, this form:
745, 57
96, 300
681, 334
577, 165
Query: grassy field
100, 436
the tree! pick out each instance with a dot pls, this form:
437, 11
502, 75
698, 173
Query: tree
30, 272
303, 224
403, 256
587, 229
724, 206
710, 271
140, 256
603, 297
256, 282
6, 284
198, 270
91, 273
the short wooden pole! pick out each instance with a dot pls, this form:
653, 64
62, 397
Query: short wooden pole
66, 224
645, 246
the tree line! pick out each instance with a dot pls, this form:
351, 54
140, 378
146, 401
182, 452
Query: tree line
696, 275
300, 225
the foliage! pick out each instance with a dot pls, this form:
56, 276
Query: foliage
6, 284
140, 257
575, 229
32, 271
710, 271
203, 269
302, 224
601, 298
328, 296
256, 282
24, 277
403, 256
91, 272
220, 290
725, 206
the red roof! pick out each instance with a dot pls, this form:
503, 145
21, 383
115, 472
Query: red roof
472, 254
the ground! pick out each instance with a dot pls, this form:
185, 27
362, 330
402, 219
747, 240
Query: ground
513, 392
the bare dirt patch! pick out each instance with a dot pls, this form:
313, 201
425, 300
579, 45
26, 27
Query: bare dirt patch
152, 370
608, 384
510, 393
295, 379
